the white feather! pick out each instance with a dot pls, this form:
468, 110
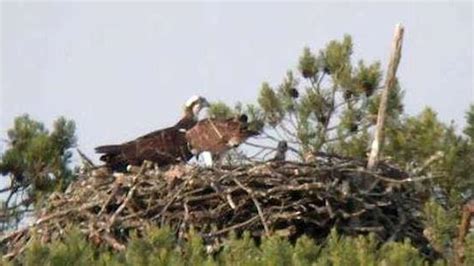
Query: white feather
191, 100
207, 157
204, 115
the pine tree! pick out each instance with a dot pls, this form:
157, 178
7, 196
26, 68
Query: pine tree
36, 163
329, 105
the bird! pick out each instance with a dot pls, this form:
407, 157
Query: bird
193, 107
212, 137
164, 146
281, 150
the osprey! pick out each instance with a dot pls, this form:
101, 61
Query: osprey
281, 150
213, 137
163, 147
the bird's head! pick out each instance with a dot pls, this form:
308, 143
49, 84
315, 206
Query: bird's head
195, 104
282, 146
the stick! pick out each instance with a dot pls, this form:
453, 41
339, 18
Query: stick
215, 128
129, 195
47, 218
233, 227
113, 242
389, 83
85, 159
125, 202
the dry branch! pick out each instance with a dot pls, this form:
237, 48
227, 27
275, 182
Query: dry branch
395, 56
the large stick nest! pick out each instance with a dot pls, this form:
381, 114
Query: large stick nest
285, 198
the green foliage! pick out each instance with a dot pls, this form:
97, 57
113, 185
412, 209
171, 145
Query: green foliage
337, 55
395, 253
394, 106
36, 160
160, 242
287, 93
305, 251
367, 78
270, 104
308, 65
431, 148
416, 139
276, 251
469, 130
340, 250
194, 251
220, 110
74, 250
35, 154
365, 245
241, 251
332, 104
343, 250
441, 227
36, 253
160, 247
469, 250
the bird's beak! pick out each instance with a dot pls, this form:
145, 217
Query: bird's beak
205, 104
233, 142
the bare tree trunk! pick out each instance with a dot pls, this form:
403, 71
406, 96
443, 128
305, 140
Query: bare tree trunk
395, 56
467, 214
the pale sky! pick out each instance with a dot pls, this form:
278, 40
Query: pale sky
123, 69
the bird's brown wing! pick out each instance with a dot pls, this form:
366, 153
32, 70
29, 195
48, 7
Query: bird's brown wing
204, 137
216, 135
164, 147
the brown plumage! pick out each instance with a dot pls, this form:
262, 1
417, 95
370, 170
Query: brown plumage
218, 135
163, 147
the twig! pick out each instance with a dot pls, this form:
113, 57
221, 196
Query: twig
215, 128
9, 188
113, 242
85, 159
173, 198
230, 228
397, 181
113, 193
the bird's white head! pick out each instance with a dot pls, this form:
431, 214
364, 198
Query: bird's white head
196, 104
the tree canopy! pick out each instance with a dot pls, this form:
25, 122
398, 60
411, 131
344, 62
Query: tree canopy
36, 161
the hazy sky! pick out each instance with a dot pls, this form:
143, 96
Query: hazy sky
122, 70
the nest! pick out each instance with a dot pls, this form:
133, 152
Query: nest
284, 198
